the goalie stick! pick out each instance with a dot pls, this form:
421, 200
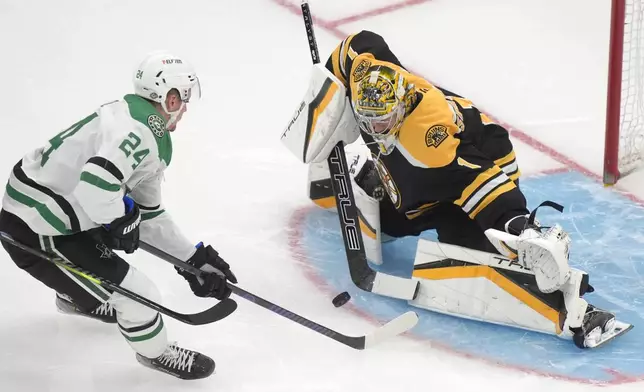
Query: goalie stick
362, 275
215, 313
394, 327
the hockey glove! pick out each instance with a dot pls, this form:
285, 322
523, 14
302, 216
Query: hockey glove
213, 283
123, 232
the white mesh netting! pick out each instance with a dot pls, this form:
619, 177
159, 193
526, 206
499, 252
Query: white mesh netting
631, 129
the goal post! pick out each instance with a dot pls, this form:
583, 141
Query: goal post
624, 140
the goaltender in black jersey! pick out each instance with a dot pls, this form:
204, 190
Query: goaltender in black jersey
443, 163
430, 160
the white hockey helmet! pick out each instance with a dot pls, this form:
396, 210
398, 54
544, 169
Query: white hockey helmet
161, 72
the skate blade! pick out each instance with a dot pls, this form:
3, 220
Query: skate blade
620, 328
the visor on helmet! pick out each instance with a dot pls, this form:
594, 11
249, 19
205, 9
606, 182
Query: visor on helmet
187, 85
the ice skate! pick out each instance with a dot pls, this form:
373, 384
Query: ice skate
599, 326
104, 312
180, 362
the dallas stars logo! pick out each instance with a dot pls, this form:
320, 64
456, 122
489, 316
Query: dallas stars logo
106, 253
157, 125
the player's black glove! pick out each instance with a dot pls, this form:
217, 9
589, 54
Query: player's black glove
212, 283
123, 232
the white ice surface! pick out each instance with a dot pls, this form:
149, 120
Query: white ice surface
538, 66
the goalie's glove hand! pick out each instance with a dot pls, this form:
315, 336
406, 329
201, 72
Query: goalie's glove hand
214, 282
122, 233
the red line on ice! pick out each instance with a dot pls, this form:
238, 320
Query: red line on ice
376, 12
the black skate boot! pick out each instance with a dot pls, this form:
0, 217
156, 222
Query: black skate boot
104, 312
180, 362
596, 324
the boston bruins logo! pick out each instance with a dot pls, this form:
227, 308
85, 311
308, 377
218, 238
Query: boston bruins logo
157, 125
436, 135
388, 182
361, 70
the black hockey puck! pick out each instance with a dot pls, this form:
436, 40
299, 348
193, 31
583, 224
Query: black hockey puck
341, 299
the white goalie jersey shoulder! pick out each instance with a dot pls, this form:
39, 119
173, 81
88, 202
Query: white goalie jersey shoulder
322, 119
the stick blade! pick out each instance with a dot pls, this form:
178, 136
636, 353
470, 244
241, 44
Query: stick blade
400, 324
218, 312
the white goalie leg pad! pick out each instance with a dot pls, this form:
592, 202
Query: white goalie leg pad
545, 254
142, 327
369, 216
321, 194
322, 119
319, 186
481, 286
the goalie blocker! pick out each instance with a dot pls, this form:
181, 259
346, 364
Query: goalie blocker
322, 122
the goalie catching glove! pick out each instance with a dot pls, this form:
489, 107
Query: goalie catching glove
543, 250
214, 282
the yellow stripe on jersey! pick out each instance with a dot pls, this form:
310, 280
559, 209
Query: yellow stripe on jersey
485, 188
506, 159
489, 273
509, 166
465, 103
339, 59
413, 214
486, 120
498, 191
464, 163
335, 60
478, 181
344, 52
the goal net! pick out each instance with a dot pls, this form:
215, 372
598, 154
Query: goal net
624, 148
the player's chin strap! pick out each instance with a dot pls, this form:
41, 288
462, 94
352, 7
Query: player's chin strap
173, 115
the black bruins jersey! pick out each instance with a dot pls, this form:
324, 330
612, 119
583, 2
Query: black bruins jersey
446, 149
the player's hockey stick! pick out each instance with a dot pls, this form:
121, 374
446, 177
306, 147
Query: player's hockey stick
394, 327
215, 313
361, 273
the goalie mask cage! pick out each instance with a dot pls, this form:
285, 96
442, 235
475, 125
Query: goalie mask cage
624, 144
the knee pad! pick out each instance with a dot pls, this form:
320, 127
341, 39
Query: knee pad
131, 312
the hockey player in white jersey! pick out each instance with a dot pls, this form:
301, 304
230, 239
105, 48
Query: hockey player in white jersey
96, 187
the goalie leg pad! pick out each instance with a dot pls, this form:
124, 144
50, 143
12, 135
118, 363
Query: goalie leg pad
488, 287
320, 187
321, 193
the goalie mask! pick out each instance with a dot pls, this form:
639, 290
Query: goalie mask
381, 101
